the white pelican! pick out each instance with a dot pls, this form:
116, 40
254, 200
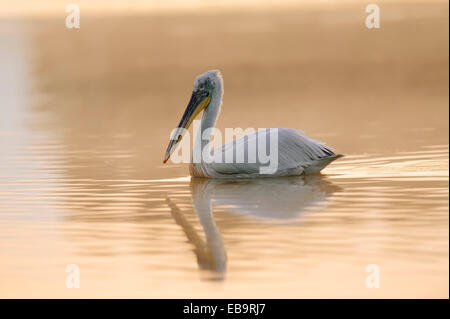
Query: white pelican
297, 153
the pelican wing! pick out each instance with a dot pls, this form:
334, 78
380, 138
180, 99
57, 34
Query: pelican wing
297, 154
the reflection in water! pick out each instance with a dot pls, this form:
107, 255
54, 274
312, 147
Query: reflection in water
81, 179
212, 254
274, 198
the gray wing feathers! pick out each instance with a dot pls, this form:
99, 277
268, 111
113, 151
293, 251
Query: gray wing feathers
295, 151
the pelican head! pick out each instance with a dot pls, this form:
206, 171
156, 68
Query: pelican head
205, 88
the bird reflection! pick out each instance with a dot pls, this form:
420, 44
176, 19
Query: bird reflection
211, 255
271, 198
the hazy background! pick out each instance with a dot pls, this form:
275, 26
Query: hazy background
315, 68
86, 115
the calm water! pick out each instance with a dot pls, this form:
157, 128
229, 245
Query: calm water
85, 119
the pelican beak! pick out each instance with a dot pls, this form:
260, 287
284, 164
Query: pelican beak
198, 102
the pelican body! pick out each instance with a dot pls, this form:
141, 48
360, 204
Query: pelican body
297, 153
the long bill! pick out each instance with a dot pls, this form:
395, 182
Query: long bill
198, 102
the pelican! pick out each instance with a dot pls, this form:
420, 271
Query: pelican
297, 153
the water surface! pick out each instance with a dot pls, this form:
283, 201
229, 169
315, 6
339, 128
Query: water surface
85, 119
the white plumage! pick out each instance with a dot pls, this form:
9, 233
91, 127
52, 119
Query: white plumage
297, 154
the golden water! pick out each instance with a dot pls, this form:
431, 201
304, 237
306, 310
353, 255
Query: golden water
85, 119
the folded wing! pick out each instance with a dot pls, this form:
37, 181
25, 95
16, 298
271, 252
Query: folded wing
297, 154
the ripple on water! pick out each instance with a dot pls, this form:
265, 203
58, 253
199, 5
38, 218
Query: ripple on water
366, 208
